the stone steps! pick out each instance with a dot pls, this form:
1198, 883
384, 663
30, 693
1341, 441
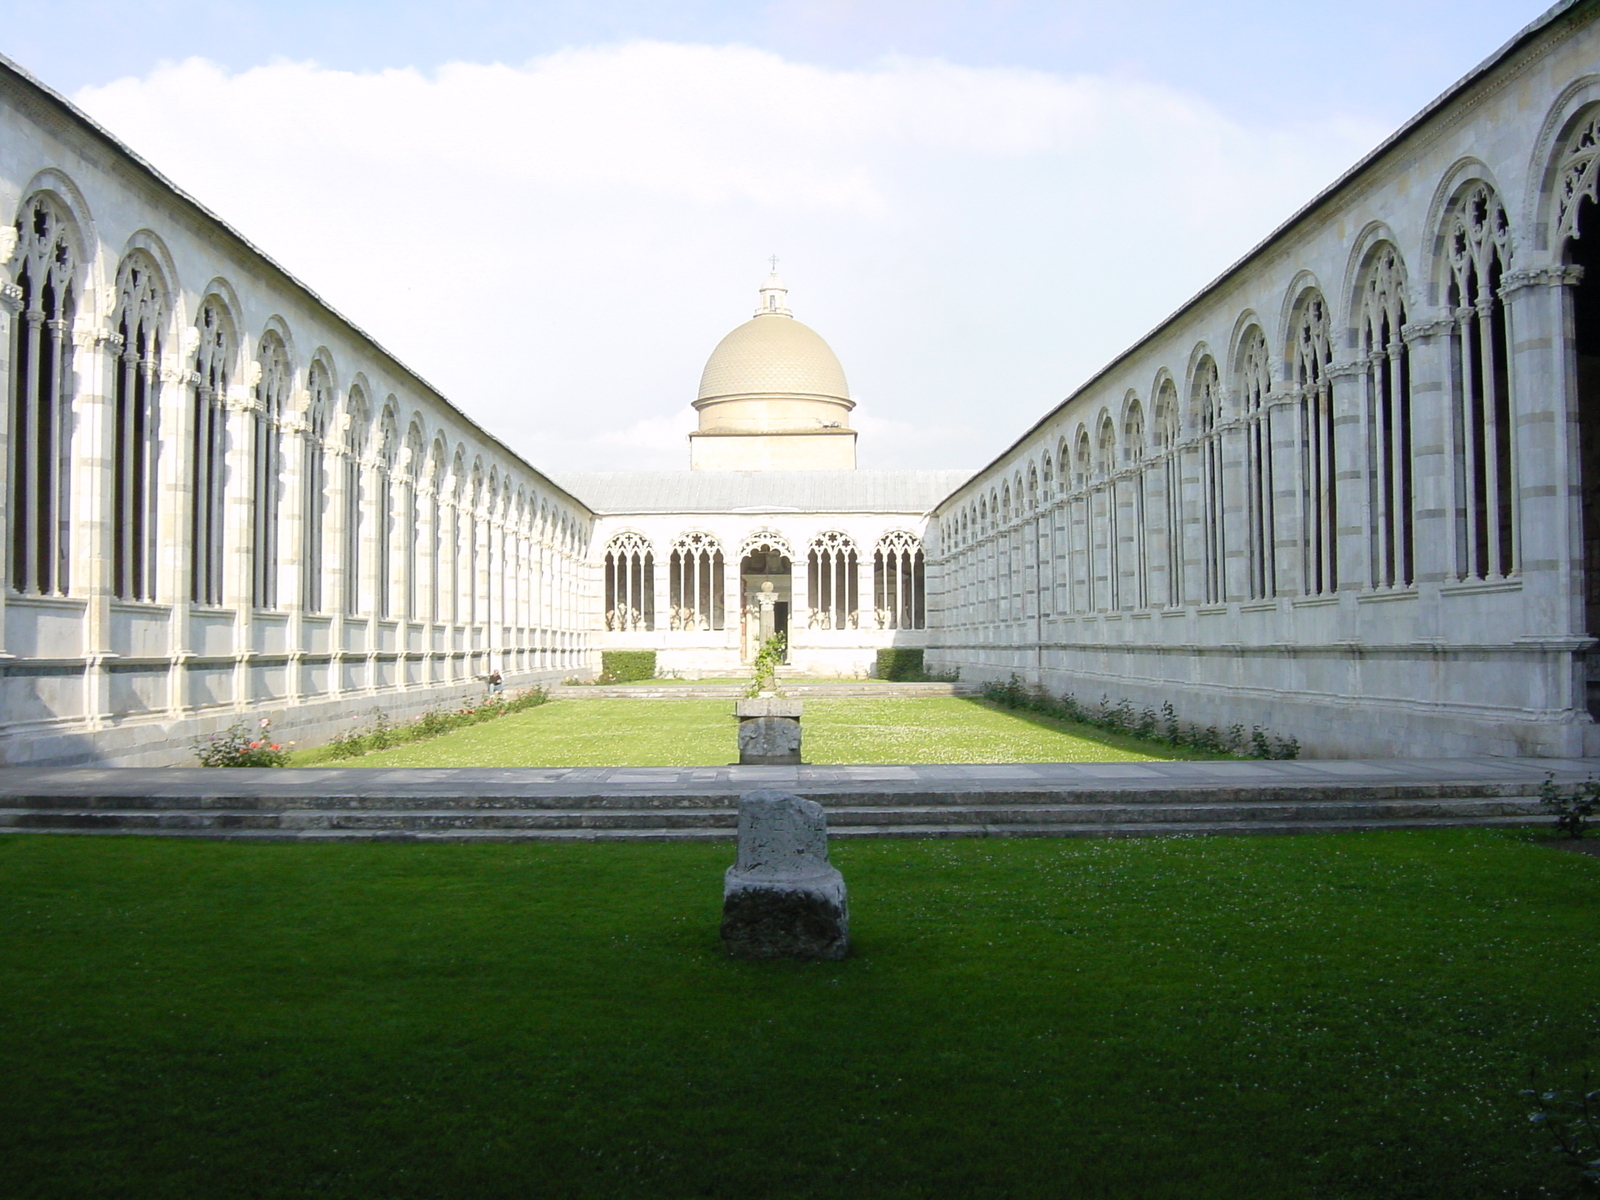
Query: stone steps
712, 816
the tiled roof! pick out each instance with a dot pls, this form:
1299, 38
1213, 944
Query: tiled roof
763, 491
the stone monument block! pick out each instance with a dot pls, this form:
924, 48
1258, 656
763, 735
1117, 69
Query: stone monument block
769, 731
781, 898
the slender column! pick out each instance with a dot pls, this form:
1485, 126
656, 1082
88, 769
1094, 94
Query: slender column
10, 314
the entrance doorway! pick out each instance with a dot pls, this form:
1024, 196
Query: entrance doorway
766, 596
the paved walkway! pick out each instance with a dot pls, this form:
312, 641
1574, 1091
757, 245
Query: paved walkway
26, 784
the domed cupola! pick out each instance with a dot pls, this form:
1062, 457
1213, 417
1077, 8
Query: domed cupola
773, 397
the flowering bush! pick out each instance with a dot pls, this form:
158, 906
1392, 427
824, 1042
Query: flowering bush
240, 746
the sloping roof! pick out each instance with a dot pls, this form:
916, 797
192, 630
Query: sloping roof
763, 491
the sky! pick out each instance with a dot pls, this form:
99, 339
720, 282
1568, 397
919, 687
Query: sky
553, 211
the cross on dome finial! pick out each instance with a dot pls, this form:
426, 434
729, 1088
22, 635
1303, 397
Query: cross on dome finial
774, 296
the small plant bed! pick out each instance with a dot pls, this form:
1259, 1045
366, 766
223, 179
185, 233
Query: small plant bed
379, 733
694, 732
1147, 724
1333, 1017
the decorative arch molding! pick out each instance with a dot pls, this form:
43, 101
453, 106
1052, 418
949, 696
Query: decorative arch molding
1202, 395
1238, 336
833, 581
1545, 203
630, 582
766, 541
899, 581
694, 581
1463, 174
77, 223
275, 324
1304, 285
1364, 248
149, 244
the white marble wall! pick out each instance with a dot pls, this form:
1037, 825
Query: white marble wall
85, 676
1132, 572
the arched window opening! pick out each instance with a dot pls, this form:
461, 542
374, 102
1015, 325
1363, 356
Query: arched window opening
630, 584
1388, 420
1083, 472
1133, 441
695, 578
355, 445
1213, 506
41, 405
1110, 524
208, 470
1169, 428
383, 513
1255, 383
1578, 226
314, 486
411, 529
1479, 242
831, 574
272, 401
141, 312
898, 581
436, 575
1311, 351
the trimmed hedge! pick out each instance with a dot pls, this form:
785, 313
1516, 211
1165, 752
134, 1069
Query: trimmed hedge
900, 663
625, 666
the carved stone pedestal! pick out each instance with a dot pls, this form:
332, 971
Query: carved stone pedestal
769, 731
781, 898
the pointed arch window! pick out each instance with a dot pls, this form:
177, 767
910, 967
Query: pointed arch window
1255, 384
630, 584
1168, 431
42, 399
355, 446
140, 315
314, 484
1110, 526
208, 458
832, 567
272, 402
411, 530
899, 578
1213, 506
1311, 351
383, 514
695, 576
1387, 380
1133, 440
1479, 242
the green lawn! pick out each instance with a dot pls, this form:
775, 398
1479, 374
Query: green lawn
1333, 1017
700, 733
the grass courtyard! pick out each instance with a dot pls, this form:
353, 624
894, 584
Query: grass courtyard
696, 732
1345, 1016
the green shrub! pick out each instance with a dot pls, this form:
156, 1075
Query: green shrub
625, 666
1572, 811
764, 670
899, 663
241, 746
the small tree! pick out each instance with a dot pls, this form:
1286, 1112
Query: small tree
765, 667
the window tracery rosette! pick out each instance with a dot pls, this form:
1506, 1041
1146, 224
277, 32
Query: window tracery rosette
766, 541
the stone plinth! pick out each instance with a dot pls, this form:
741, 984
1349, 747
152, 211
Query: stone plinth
769, 731
781, 898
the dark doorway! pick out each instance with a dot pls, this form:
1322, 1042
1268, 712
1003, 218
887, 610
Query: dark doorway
1584, 251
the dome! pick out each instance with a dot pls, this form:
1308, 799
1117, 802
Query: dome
773, 354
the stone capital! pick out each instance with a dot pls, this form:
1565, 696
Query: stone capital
1562, 275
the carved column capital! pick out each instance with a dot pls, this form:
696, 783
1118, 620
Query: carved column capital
1563, 275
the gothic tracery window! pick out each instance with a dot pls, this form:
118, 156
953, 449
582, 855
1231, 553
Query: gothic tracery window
1213, 506
141, 313
41, 404
1311, 352
1110, 525
383, 511
630, 584
1255, 382
898, 582
314, 485
208, 455
831, 576
271, 403
1388, 419
1479, 244
1133, 440
1169, 428
355, 446
695, 577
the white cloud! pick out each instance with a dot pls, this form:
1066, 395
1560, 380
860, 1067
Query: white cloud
558, 246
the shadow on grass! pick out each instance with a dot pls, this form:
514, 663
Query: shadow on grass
1101, 737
